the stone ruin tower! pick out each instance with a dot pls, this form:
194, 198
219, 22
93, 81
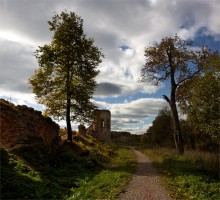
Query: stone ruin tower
101, 126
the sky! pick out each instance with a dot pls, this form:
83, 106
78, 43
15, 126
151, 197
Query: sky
122, 29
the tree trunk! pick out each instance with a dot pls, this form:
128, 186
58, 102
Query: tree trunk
68, 105
178, 139
172, 102
177, 129
68, 123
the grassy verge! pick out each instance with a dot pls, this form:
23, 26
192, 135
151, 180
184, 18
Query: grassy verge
91, 171
109, 182
192, 176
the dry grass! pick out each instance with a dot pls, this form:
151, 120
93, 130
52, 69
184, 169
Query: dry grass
194, 175
210, 160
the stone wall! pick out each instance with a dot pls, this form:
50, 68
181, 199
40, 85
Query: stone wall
21, 125
101, 126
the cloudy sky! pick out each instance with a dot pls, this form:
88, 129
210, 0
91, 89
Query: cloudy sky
122, 29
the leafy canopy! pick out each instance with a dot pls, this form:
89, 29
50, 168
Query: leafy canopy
200, 99
67, 69
172, 58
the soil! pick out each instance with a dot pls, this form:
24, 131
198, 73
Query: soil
145, 183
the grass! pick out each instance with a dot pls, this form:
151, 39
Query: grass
17, 177
109, 182
192, 176
92, 170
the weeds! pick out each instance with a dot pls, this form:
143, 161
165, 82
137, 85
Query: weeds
192, 176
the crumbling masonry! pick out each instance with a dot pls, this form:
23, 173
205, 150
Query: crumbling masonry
101, 126
21, 126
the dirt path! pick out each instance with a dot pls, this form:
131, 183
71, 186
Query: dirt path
144, 184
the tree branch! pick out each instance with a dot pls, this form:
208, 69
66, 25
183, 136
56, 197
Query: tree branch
188, 78
166, 98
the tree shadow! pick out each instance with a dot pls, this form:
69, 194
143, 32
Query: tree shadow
146, 169
129, 167
17, 180
138, 169
55, 174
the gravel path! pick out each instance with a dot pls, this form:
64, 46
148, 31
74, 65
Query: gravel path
144, 184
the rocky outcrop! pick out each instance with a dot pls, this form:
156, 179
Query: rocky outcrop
21, 125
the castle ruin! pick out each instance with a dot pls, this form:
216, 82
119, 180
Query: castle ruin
101, 126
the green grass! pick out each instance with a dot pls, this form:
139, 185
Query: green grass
188, 177
109, 182
17, 178
87, 170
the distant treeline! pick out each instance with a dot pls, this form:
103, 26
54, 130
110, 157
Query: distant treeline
124, 137
161, 134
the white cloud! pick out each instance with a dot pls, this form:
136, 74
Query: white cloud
21, 99
132, 115
14, 37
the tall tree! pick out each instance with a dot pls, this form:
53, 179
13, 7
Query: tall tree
65, 79
173, 60
200, 99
